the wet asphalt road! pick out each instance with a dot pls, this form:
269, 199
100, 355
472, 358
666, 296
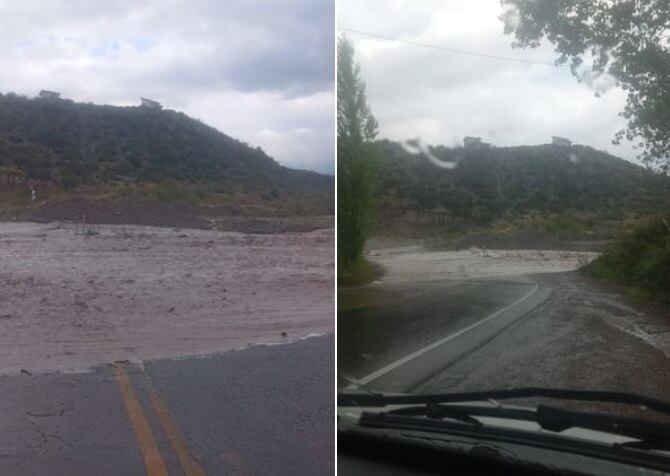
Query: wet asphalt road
585, 335
382, 323
265, 410
574, 332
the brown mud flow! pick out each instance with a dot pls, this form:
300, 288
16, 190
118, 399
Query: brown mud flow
73, 296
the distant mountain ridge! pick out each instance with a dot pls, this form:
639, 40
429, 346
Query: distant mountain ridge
495, 182
76, 143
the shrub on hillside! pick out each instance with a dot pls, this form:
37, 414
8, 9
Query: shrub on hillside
640, 260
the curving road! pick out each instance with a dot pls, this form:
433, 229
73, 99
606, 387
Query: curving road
394, 336
558, 330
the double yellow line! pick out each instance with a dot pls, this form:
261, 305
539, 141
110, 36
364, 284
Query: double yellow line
153, 461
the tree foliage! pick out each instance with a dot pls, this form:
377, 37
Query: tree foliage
356, 159
640, 260
626, 39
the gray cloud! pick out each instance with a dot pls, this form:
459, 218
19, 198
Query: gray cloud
243, 66
442, 97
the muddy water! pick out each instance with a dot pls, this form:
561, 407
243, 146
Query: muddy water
72, 297
412, 263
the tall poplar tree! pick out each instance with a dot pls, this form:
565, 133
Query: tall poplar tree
356, 160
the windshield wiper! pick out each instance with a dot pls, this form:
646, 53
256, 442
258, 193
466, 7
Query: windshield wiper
345, 399
438, 408
647, 433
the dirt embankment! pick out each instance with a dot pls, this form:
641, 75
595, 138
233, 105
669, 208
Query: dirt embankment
526, 240
297, 224
152, 213
117, 212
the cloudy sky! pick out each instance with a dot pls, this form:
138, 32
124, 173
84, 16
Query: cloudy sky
441, 97
260, 71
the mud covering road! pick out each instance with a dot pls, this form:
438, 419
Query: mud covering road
72, 297
584, 336
265, 410
578, 333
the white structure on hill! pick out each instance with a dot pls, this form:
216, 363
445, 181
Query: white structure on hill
44, 94
150, 104
475, 143
556, 140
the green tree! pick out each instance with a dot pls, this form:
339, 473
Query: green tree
356, 159
627, 40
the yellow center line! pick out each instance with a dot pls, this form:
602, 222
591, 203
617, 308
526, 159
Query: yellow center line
188, 462
153, 461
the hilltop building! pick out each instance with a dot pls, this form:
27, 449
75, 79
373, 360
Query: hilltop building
556, 140
44, 94
475, 143
150, 104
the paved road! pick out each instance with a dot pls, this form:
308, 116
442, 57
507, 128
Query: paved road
585, 335
571, 332
265, 410
380, 324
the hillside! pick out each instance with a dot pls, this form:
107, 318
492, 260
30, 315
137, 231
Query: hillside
504, 182
72, 144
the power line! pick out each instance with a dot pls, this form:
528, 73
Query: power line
447, 49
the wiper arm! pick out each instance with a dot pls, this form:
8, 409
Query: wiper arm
649, 434
380, 400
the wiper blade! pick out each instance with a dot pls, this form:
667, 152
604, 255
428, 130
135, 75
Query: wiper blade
345, 399
462, 412
649, 434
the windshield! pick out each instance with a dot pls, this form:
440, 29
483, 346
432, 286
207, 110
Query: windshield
502, 197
